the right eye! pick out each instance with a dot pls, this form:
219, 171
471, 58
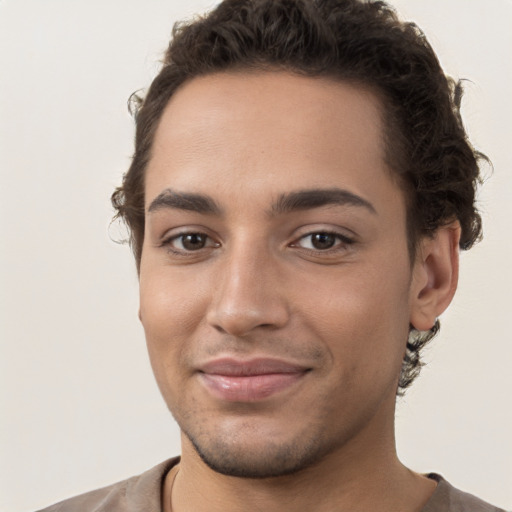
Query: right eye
189, 242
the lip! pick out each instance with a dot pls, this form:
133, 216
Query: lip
249, 381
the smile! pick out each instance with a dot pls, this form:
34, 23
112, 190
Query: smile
249, 381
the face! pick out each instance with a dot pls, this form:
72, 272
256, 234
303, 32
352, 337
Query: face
275, 281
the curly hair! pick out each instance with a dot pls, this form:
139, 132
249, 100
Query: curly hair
359, 41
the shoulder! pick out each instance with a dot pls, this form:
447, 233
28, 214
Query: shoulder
141, 492
447, 498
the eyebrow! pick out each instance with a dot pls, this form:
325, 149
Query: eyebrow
185, 201
286, 203
316, 198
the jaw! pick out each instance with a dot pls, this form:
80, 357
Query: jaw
358, 474
268, 441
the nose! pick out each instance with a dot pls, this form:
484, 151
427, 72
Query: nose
248, 294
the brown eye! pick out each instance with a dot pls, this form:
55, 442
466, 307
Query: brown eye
192, 241
189, 242
323, 240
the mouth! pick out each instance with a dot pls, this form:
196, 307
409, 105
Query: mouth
249, 381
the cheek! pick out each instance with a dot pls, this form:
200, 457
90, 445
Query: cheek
363, 319
171, 307
171, 302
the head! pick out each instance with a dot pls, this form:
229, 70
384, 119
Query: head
351, 41
269, 122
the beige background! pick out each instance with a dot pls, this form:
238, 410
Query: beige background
79, 405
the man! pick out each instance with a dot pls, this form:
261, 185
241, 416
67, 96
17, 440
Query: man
300, 188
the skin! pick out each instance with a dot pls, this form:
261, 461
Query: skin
255, 283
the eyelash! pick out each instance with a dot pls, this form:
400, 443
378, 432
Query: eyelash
167, 242
341, 243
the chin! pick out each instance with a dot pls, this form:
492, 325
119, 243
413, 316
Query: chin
252, 460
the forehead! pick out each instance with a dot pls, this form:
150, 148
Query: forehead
268, 129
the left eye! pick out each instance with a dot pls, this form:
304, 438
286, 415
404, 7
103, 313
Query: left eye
321, 241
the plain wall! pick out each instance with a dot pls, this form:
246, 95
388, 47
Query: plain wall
80, 408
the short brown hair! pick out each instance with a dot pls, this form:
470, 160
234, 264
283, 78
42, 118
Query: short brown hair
351, 40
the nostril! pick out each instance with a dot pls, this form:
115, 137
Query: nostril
220, 329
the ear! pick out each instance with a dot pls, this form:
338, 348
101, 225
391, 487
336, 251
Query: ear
435, 276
